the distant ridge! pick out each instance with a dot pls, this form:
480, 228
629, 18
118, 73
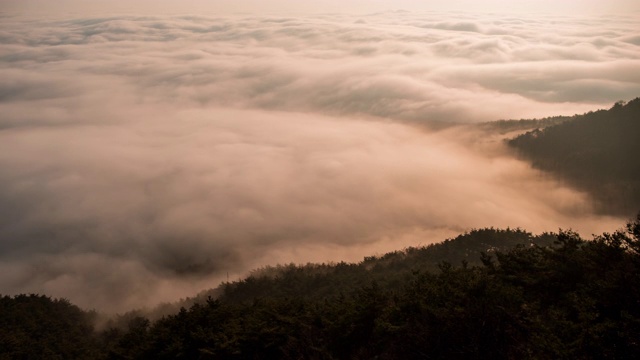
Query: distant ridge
596, 152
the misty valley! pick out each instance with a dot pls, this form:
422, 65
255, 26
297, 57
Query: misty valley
487, 293
510, 295
446, 179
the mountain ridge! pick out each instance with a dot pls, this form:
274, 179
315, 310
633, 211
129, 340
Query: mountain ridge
596, 152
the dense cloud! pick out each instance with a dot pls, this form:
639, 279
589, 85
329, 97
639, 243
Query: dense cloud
400, 66
144, 158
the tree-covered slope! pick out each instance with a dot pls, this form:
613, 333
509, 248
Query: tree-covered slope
570, 299
576, 299
388, 270
391, 270
597, 152
38, 327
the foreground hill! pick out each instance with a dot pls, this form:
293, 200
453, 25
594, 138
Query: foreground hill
314, 281
573, 299
596, 152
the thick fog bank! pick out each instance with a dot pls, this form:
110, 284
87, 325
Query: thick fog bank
143, 159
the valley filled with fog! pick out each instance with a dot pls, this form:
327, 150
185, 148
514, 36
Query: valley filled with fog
145, 158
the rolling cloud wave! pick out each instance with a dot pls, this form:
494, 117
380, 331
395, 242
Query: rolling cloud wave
144, 158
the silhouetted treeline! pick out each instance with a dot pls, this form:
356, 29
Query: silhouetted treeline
390, 270
554, 296
38, 327
597, 152
506, 126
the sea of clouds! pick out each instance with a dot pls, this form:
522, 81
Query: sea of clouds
143, 159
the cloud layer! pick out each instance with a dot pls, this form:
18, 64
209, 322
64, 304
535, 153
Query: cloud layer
393, 65
144, 158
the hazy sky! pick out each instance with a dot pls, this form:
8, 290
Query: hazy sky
575, 7
143, 156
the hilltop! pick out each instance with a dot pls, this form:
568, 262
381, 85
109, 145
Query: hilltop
596, 152
523, 296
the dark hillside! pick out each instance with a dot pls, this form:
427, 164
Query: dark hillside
38, 327
596, 152
318, 281
576, 299
573, 299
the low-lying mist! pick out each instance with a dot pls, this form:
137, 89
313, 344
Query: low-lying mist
145, 159
122, 215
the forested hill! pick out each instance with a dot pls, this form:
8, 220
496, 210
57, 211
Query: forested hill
391, 270
318, 281
573, 299
597, 152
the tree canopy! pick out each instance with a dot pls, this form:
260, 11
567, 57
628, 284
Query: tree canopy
596, 152
508, 294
